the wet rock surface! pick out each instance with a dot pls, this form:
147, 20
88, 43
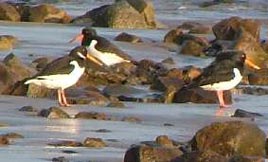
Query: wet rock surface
53, 113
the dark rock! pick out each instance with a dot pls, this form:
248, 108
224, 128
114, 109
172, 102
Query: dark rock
149, 154
12, 135
231, 138
259, 77
22, 9
94, 142
7, 79
198, 95
217, 46
49, 14
125, 37
254, 90
173, 35
245, 114
28, 109
195, 27
91, 115
7, 42
66, 144
8, 12
17, 67
122, 90
189, 73
53, 113
60, 159
117, 104
41, 62
193, 48
229, 29
167, 83
121, 14
201, 156
4, 140
69, 152
103, 131
239, 158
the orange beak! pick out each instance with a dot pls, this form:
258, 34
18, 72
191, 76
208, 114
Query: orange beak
77, 38
94, 59
251, 64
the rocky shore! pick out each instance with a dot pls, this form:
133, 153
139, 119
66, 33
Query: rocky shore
237, 138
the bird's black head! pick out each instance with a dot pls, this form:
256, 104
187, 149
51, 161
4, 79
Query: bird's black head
79, 52
232, 55
89, 32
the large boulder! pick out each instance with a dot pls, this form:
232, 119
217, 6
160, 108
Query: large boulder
8, 12
121, 14
48, 13
228, 29
231, 138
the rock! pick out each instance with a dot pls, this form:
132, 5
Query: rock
22, 9
12, 135
122, 90
117, 104
164, 141
28, 109
198, 95
173, 35
8, 12
131, 119
125, 37
53, 113
41, 62
36, 91
193, 48
254, 90
217, 46
231, 138
166, 83
245, 114
141, 153
247, 43
264, 46
229, 29
189, 73
239, 158
259, 77
182, 38
15, 65
201, 156
7, 79
4, 140
94, 142
60, 159
46, 13
91, 115
7, 42
121, 14
195, 27
78, 95
66, 144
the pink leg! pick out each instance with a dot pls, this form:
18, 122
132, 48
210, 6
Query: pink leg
60, 98
221, 100
64, 98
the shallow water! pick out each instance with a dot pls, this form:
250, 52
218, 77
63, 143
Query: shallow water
52, 40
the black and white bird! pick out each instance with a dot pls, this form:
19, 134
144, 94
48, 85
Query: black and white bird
62, 73
223, 74
101, 48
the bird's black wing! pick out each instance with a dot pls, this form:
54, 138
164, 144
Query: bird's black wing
214, 73
58, 66
106, 46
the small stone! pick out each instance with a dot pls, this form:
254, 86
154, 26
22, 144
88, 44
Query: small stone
4, 140
91, 115
60, 159
125, 37
13, 135
66, 144
132, 119
53, 113
245, 114
28, 109
94, 142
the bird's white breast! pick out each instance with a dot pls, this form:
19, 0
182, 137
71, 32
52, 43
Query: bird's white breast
225, 85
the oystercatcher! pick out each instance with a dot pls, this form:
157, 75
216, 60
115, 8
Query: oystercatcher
62, 73
101, 48
223, 74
